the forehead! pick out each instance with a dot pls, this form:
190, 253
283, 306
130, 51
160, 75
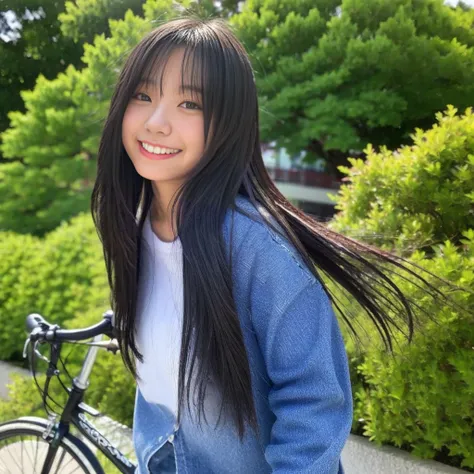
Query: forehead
177, 72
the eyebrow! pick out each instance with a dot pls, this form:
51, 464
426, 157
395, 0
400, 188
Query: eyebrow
182, 88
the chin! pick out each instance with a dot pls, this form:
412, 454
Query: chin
153, 174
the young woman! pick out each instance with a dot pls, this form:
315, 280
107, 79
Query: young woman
222, 317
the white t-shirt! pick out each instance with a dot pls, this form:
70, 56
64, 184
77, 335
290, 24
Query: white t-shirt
159, 318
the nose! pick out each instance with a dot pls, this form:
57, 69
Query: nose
157, 121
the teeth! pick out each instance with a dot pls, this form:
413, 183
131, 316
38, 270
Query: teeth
158, 150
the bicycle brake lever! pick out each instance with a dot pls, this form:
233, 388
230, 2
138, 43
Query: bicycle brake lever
41, 356
38, 353
25, 347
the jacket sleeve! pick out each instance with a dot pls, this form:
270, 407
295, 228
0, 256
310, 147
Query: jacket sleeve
306, 362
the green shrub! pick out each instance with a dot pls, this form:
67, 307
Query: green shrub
54, 276
23, 399
16, 251
422, 399
417, 202
416, 196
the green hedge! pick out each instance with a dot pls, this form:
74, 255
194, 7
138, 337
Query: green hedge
56, 276
421, 400
416, 196
417, 201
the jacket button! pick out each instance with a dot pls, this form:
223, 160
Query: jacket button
171, 438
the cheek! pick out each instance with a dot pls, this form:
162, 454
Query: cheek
129, 129
126, 125
129, 124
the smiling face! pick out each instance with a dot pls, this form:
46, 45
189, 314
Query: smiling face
173, 120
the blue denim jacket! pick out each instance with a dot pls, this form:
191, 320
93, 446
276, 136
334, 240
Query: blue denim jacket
299, 370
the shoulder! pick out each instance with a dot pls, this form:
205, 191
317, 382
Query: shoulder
258, 249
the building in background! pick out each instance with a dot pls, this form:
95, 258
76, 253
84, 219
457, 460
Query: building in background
306, 185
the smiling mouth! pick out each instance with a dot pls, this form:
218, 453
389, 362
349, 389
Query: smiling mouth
151, 155
156, 150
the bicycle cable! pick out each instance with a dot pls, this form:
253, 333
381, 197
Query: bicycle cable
44, 394
63, 363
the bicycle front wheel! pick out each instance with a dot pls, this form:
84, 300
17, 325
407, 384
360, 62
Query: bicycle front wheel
23, 451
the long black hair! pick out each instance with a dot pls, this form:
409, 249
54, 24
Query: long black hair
217, 63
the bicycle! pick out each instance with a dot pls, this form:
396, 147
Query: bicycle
57, 449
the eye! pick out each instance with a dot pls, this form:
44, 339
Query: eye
194, 106
141, 96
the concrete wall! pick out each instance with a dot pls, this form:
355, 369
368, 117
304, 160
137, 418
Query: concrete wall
360, 456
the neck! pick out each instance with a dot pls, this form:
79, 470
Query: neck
160, 213
162, 201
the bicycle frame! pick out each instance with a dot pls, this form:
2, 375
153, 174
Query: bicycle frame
98, 439
74, 412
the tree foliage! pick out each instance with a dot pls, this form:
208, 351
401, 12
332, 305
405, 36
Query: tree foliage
83, 19
38, 48
334, 76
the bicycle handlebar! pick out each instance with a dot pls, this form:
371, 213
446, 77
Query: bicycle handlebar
52, 333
